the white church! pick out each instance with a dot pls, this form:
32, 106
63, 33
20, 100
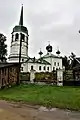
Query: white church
46, 63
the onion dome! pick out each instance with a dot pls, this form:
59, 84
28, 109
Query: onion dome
40, 53
58, 52
49, 48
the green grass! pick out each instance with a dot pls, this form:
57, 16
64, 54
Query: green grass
50, 96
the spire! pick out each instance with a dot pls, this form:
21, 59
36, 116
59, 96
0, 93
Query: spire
21, 16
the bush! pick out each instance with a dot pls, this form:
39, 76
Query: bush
45, 77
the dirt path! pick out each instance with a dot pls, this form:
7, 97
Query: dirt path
17, 111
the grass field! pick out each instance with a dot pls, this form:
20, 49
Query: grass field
50, 96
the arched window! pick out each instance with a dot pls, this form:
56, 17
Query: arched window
22, 37
44, 68
32, 67
58, 63
48, 68
54, 63
22, 60
16, 36
56, 68
39, 67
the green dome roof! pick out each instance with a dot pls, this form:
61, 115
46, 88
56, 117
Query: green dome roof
20, 28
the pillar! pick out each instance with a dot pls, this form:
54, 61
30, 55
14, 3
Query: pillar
32, 76
59, 77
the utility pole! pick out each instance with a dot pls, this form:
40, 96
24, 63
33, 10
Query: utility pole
18, 81
20, 48
20, 25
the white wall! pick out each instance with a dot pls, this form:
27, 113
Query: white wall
15, 47
57, 60
52, 61
27, 67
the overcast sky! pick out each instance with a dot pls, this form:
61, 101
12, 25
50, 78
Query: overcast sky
57, 21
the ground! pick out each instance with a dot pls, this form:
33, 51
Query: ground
18, 111
46, 95
59, 103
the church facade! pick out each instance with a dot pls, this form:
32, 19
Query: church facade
46, 63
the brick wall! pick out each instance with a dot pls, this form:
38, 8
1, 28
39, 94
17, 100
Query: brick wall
8, 75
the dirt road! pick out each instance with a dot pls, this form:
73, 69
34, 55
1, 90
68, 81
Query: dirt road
18, 111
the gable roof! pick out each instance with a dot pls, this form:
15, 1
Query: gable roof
39, 61
42, 61
31, 60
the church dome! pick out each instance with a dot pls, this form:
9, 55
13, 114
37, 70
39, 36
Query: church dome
49, 48
40, 53
58, 52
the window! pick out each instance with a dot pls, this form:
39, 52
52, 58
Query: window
54, 63
53, 68
58, 63
22, 37
56, 68
48, 68
16, 36
21, 68
39, 67
22, 60
44, 68
32, 67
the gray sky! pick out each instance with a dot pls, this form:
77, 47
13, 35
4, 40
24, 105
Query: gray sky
57, 21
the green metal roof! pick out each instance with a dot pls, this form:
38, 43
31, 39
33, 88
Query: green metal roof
20, 28
39, 61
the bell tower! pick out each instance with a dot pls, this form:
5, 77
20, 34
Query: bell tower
19, 32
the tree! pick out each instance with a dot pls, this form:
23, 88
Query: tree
66, 62
3, 48
73, 59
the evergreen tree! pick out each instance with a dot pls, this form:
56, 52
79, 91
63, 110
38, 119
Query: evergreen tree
3, 48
